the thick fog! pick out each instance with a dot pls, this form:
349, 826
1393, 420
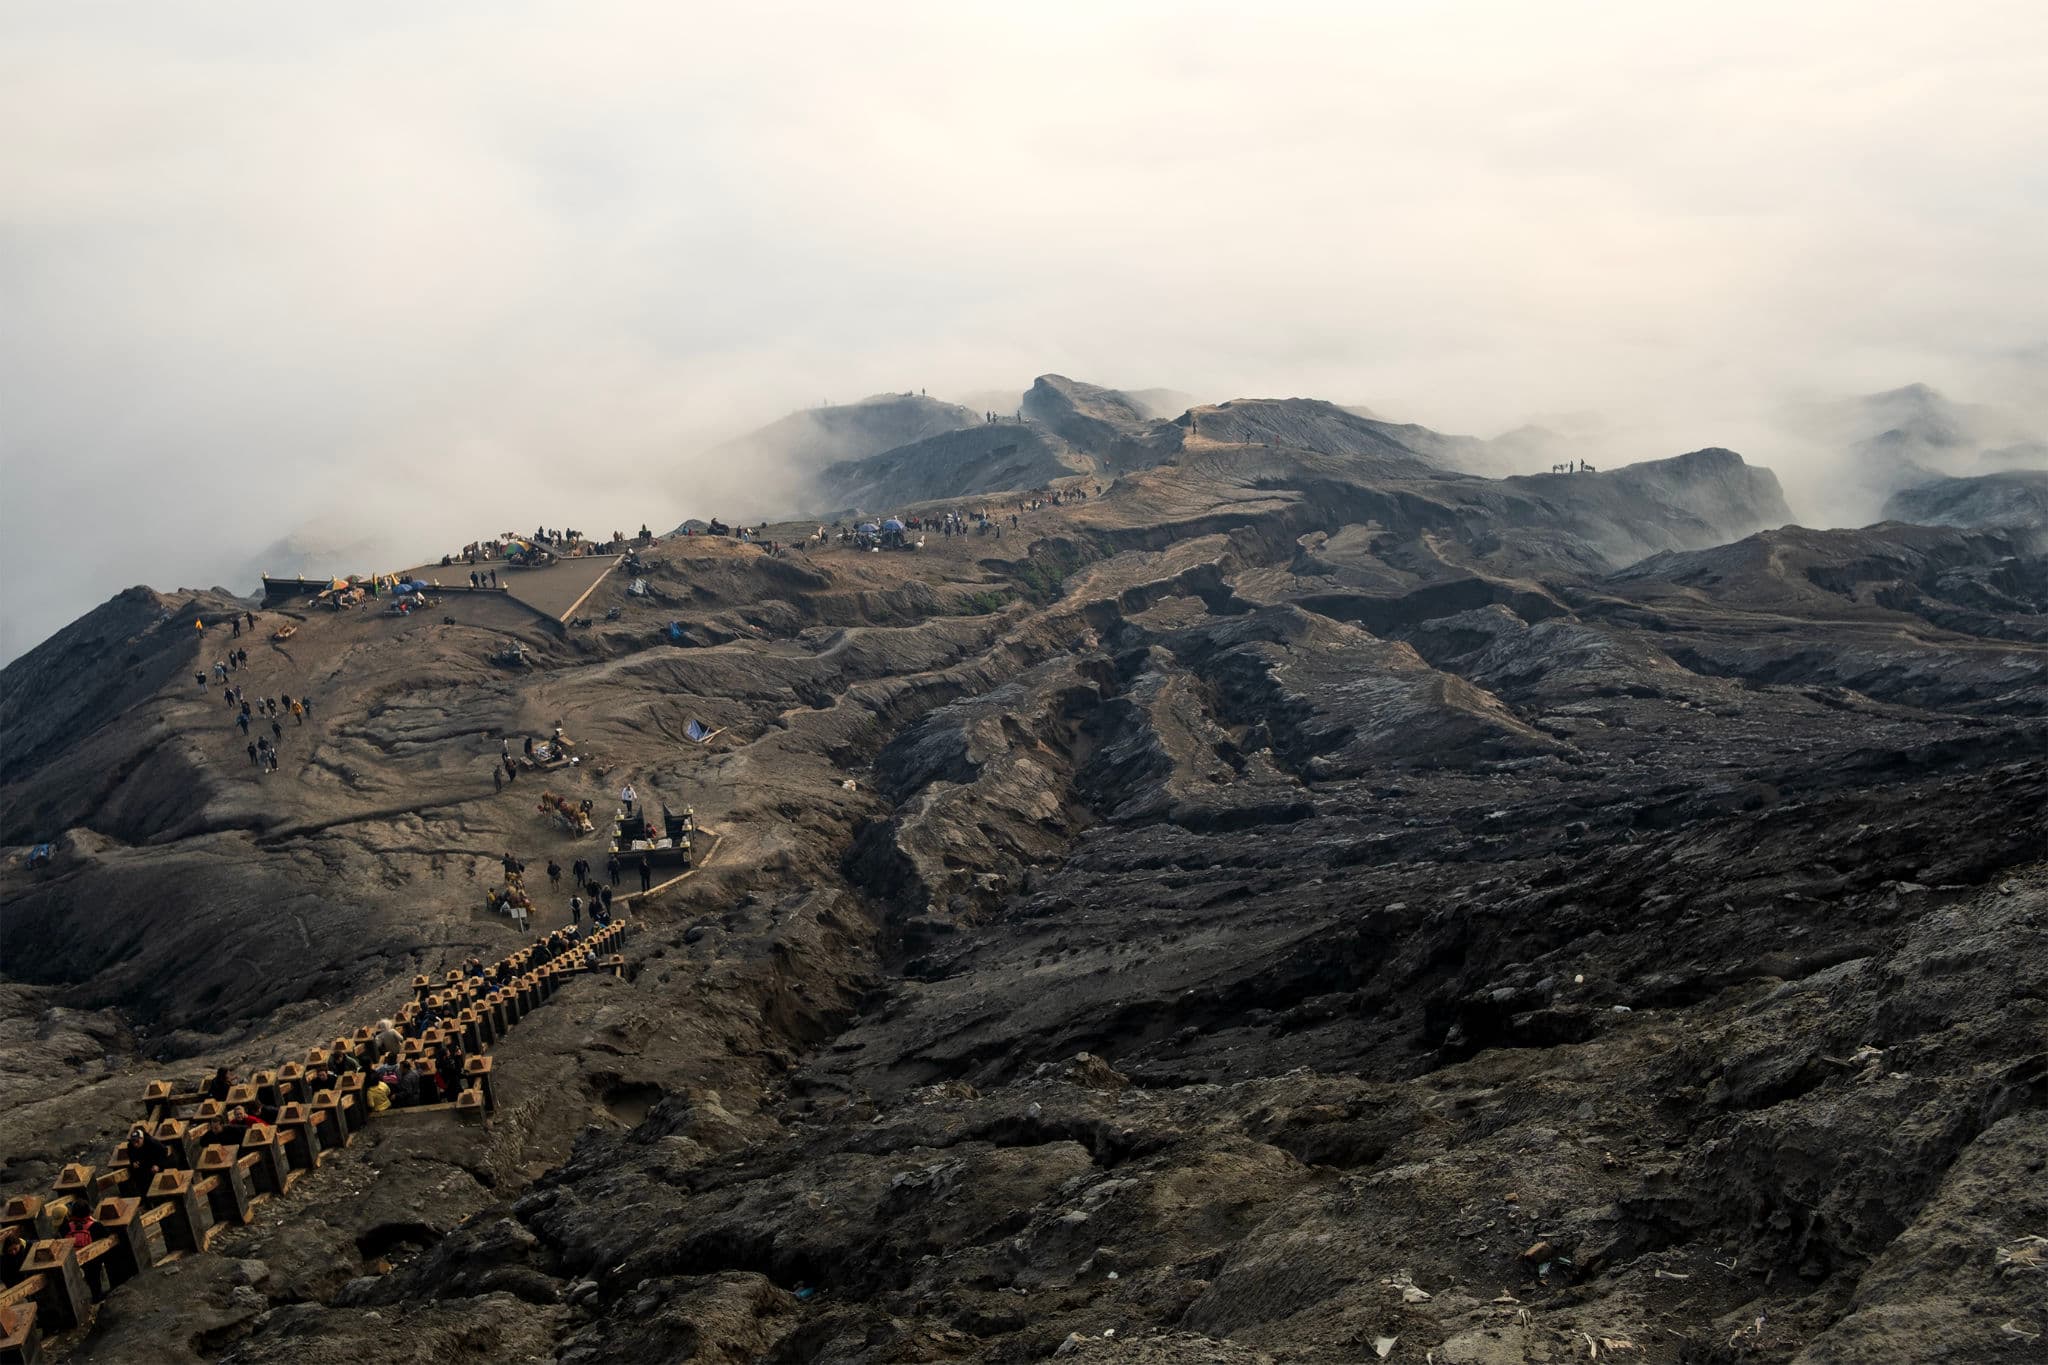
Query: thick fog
377, 278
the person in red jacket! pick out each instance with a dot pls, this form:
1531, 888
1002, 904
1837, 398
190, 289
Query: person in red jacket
81, 1229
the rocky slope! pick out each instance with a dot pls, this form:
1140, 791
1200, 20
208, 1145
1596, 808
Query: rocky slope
813, 438
1301, 905
980, 459
2018, 499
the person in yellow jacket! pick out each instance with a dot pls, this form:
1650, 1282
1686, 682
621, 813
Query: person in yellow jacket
376, 1094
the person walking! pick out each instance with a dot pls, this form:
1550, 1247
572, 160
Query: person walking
80, 1230
243, 721
579, 871
646, 873
497, 778
554, 874
611, 867
605, 894
626, 794
252, 753
575, 911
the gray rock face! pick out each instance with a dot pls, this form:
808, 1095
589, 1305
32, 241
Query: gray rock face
1299, 900
1086, 416
2016, 501
977, 460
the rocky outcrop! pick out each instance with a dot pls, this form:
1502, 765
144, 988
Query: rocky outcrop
2017, 501
1086, 416
982, 459
1305, 424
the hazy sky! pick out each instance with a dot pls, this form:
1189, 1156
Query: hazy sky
408, 273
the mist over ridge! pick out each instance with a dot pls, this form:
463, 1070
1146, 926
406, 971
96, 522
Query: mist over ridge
558, 259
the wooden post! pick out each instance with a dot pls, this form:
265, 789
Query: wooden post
326, 1110
302, 1136
472, 1030
232, 1198
26, 1211
156, 1101
63, 1299
76, 1183
178, 1136
469, 1105
121, 1219
185, 1228
477, 1071
350, 1087
273, 1173
291, 1085
117, 1167
21, 1340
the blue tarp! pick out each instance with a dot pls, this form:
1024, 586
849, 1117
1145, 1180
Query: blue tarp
892, 525
868, 528
698, 731
675, 630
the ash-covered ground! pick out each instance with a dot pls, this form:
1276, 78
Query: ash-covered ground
1296, 903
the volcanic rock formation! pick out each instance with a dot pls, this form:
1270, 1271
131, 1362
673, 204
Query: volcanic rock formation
1300, 902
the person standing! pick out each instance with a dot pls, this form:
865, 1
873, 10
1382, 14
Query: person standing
554, 874
497, 778
605, 894
575, 911
626, 794
579, 871
646, 873
612, 867
80, 1229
